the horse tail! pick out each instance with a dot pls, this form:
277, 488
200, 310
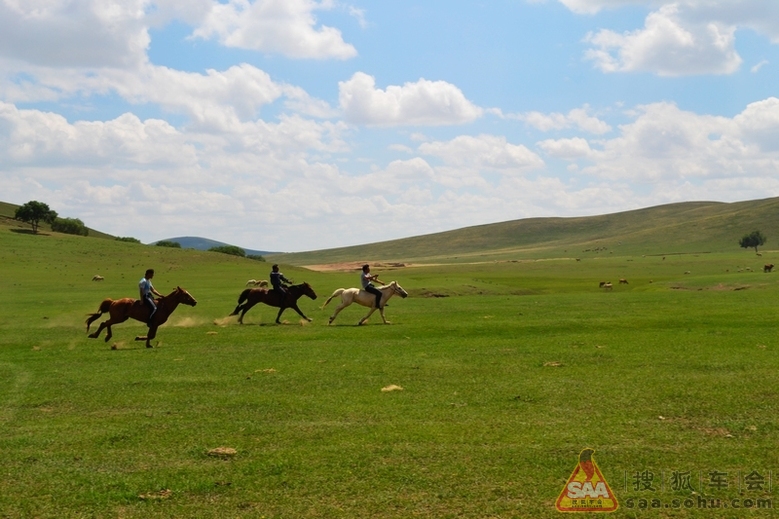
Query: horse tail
104, 306
244, 295
335, 294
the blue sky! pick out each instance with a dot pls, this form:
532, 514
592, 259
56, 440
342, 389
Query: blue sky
296, 125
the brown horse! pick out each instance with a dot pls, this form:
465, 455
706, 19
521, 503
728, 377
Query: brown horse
252, 296
122, 309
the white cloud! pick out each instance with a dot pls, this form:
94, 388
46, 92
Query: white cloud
424, 103
664, 145
215, 100
668, 46
65, 33
759, 124
756, 68
287, 27
32, 137
576, 118
484, 151
570, 149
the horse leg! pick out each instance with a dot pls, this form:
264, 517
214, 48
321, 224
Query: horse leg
337, 310
246, 307
237, 309
295, 307
362, 321
96, 333
381, 311
148, 338
278, 316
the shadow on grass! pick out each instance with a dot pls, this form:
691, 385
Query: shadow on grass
28, 231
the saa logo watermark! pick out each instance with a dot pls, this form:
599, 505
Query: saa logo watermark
587, 489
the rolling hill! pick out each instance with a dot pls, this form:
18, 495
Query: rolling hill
680, 228
685, 227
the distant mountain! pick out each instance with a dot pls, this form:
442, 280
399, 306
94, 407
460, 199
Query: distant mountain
198, 243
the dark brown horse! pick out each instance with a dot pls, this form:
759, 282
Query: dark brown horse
252, 296
122, 309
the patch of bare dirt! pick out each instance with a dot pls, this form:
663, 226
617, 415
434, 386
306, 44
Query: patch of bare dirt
355, 265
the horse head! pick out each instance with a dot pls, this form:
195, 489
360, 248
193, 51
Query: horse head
307, 290
398, 289
185, 297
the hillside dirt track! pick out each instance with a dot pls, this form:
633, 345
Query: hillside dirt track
354, 265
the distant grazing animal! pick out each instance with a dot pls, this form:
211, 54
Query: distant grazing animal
623, 281
607, 286
252, 296
361, 297
122, 309
257, 283
97, 278
602, 284
768, 268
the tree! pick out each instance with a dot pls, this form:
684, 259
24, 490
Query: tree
70, 226
168, 243
34, 213
229, 249
752, 240
128, 239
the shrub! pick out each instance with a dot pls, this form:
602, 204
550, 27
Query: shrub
229, 249
70, 226
128, 239
168, 243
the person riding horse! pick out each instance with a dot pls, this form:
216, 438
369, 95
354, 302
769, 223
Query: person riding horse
366, 281
146, 290
277, 280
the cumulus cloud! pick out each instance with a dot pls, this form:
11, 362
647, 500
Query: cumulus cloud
576, 118
668, 46
287, 27
680, 37
570, 149
665, 144
484, 151
214, 100
424, 103
32, 137
85, 33
759, 124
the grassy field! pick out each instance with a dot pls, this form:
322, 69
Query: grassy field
509, 369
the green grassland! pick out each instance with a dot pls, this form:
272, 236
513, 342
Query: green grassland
511, 362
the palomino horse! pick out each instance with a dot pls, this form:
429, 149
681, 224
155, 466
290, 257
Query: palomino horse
122, 309
252, 296
361, 297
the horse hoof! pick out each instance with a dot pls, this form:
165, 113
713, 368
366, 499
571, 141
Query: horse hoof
149, 346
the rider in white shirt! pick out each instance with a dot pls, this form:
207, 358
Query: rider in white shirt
148, 291
367, 279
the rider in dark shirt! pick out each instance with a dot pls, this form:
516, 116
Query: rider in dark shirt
277, 280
